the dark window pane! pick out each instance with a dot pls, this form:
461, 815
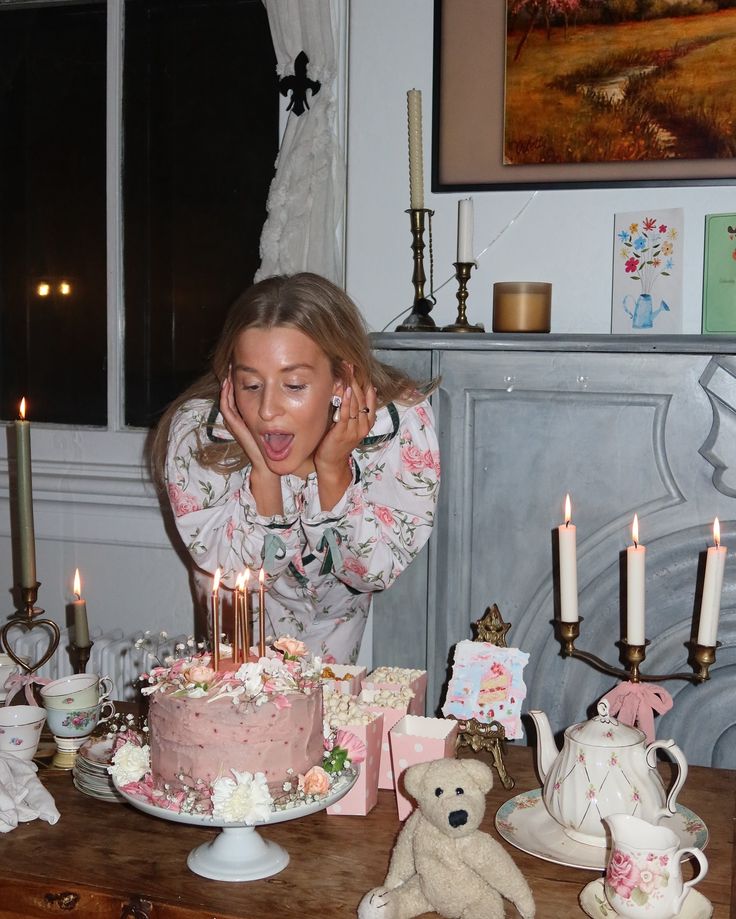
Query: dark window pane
201, 137
52, 213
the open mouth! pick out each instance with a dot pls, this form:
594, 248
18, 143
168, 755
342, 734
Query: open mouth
277, 445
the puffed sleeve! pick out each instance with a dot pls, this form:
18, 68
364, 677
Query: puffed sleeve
386, 516
216, 513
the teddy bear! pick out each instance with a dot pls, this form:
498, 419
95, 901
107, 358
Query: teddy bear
442, 862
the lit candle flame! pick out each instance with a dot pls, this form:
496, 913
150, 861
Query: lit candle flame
77, 585
635, 530
22, 410
216, 582
261, 577
716, 532
240, 581
568, 510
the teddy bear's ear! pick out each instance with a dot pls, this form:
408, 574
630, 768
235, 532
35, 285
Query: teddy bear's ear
414, 778
481, 774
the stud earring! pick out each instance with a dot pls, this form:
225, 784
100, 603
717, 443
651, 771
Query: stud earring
336, 402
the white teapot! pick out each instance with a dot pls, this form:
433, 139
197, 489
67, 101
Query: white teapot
604, 768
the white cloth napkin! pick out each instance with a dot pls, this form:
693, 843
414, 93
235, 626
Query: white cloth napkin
22, 796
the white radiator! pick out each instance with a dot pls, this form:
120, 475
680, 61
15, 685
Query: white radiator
114, 654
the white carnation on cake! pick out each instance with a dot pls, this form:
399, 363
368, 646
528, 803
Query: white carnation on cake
250, 674
130, 763
244, 799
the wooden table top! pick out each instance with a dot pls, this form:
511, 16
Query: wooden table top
113, 860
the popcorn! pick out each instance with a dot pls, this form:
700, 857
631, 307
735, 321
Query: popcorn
340, 710
397, 697
394, 675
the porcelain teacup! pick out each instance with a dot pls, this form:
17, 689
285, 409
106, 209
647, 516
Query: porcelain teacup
79, 722
20, 729
643, 877
82, 690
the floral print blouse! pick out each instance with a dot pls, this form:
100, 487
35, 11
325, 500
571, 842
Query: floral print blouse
321, 565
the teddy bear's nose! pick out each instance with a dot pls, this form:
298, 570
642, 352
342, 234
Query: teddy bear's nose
458, 818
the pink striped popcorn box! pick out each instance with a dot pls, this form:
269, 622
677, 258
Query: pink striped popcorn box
417, 684
350, 678
415, 739
363, 796
390, 717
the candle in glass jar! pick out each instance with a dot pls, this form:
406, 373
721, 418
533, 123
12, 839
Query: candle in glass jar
710, 605
79, 606
465, 230
262, 613
568, 567
416, 162
24, 494
635, 587
216, 620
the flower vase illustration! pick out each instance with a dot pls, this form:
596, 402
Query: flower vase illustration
648, 252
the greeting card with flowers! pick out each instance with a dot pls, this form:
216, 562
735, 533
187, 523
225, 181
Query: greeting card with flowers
719, 276
647, 272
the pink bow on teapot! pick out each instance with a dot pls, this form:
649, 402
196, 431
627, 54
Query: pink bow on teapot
17, 682
635, 704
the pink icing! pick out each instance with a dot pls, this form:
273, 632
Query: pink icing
206, 739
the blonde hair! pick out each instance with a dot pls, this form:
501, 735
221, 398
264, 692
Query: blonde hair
319, 309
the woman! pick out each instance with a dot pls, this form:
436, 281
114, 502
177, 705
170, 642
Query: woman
302, 454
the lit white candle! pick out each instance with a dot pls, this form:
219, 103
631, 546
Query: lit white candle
24, 494
635, 587
465, 230
216, 620
416, 161
81, 625
710, 605
568, 567
262, 613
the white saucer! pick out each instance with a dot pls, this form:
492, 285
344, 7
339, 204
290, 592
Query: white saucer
594, 903
525, 822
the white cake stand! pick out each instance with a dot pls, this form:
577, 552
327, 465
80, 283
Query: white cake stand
238, 852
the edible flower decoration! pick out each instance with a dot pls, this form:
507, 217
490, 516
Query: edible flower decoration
245, 798
292, 648
345, 750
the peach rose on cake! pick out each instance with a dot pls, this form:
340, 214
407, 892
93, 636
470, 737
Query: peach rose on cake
292, 648
200, 674
315, 782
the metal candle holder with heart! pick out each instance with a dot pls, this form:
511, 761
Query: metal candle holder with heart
28, 618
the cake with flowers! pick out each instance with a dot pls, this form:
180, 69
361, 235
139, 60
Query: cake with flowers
235, 742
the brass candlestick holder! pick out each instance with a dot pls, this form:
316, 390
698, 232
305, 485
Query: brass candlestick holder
28, 618
461, 324
701, 657
419, 319
81, 655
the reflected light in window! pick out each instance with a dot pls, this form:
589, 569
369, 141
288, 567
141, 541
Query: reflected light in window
43, 289
65, 288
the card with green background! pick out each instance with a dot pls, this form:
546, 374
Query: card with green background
719, 274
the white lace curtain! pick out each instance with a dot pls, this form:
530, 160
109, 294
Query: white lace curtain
305, 200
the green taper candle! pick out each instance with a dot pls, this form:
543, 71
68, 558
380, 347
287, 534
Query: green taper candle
24, 495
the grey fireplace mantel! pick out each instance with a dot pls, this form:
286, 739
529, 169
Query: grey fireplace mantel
626, 424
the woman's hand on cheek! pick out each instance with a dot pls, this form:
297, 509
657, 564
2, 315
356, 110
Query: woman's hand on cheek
357, 417
236, 425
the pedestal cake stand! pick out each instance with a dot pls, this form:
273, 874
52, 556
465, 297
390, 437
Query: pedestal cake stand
238, 852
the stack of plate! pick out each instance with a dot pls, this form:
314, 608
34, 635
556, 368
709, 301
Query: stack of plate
90, 770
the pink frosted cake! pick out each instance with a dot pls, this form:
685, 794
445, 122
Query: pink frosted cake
265, 717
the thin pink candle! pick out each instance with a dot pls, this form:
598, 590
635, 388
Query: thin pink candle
262, 613
216, 621
568, 567
636, 556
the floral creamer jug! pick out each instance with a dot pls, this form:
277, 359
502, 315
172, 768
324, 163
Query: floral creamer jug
604, 768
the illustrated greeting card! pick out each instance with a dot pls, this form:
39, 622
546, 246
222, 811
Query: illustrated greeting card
719, 274
487, 684
647, 272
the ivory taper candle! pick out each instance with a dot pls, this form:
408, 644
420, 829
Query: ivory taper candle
635, 587
416, 157
710, 605
568, 567
465, 230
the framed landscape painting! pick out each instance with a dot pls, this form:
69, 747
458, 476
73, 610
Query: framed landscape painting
535, 94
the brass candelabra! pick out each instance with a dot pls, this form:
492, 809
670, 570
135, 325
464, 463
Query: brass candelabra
461, 324
419, 319
701, 657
